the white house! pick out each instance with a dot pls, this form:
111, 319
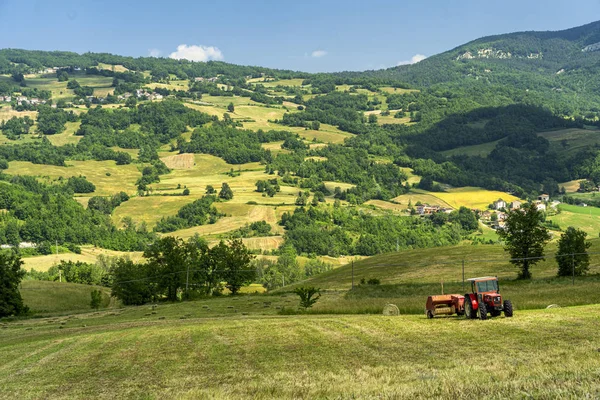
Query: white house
499, 204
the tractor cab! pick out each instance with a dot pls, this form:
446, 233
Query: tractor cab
485, 297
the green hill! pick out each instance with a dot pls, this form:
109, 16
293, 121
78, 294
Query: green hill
44, 297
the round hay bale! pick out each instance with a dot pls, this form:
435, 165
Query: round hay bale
391, 309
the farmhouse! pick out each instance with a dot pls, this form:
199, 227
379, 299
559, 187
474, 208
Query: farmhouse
543, 197
515, 205
540, 206
499, 204
426, 209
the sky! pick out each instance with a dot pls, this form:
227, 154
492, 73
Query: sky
307, 35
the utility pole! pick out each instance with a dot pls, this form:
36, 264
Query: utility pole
187, 279
463, 271
283, 277
60, 275
573, 267
352, 274
397, 245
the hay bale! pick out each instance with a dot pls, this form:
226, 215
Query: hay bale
391, 309
553, 306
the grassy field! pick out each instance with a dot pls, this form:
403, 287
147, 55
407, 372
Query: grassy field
572, 140
45, 297
133, 354
102, 85
66, 137
108, 177
472, 197
434, 265
584, 218
89, 254
481, 150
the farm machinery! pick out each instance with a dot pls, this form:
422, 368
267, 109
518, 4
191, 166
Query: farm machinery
484, 299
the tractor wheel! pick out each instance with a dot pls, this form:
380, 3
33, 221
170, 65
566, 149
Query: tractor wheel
508, 309
469, 312
482, 311
429, 314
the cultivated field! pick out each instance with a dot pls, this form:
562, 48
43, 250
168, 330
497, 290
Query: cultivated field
472, 197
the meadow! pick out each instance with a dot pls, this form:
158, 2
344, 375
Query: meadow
176, 351
108, 177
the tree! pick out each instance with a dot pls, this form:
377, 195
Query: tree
306, 296
166, 260
315, 125
525, 238
96, 300
372, 118
235, 266
573, 242
210, 189
11, 275
130, 282
226, 193
231, 107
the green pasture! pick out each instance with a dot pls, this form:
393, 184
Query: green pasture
108, 177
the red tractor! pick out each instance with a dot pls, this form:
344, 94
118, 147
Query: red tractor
485, 298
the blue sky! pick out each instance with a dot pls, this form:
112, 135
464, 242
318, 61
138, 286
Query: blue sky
302, 35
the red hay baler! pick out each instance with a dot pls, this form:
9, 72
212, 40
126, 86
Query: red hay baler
445, 304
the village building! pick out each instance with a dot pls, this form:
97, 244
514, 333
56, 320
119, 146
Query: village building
515, 205
426, 209
544, 197
499, 204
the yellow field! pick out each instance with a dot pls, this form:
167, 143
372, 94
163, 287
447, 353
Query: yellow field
122, 177
473, 197
89, 254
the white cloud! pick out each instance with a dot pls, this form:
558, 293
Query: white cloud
197, 53
414, 59
154, 52
318, 53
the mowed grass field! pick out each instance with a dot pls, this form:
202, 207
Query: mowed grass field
89, 254
108, 177
134, 354
584, 218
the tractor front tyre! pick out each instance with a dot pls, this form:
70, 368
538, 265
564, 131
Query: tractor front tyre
469, 312
508, 308
429, 314
482, 311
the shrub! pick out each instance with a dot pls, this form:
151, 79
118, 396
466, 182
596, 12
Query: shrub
306, 296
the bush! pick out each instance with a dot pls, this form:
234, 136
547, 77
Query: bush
306, 296
373, 281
